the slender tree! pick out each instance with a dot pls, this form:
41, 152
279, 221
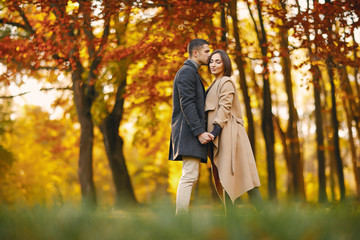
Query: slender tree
292, 131
241, 63
347, 98
330, 64
110, 125
316, 77
267, 122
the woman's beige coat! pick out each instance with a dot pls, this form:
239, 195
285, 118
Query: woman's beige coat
232, 153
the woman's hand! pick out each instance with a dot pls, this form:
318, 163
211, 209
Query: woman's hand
205, 137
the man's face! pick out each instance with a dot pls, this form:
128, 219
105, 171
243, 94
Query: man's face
203, 54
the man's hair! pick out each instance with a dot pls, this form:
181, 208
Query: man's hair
195, 44
225, 59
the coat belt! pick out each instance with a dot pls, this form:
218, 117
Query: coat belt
234, 133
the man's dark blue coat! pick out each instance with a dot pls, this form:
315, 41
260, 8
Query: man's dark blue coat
188, 117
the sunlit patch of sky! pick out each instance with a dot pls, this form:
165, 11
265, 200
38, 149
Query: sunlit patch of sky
2, 68
97, 10
34, 96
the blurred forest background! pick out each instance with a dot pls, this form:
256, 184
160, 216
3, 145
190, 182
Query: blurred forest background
103, 71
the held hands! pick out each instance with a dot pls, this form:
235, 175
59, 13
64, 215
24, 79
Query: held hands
205, 137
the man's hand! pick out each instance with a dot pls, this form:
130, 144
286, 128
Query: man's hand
205, 137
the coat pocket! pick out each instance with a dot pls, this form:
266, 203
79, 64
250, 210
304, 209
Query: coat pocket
210, 106
240, 121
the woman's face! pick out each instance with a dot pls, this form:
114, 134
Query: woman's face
216, 65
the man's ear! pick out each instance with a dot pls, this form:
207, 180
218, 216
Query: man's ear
195, 53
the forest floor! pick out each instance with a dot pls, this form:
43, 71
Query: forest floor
274, 221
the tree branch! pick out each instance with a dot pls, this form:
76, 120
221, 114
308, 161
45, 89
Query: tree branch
169, 5
42, 89
57, 88
13, 96
14, 35
27, 25
15, 24
105, 35
84, 6
252, 17
33, 68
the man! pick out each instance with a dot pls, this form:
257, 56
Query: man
188, 140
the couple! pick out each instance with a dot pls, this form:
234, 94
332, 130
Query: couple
209, 124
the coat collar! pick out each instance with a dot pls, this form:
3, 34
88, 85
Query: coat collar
191, 64
212, 83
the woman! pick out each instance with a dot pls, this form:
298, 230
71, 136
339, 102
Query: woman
233, 164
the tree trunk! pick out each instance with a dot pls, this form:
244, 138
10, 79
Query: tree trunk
347, 100
292, 132
212, 32
83, 107
334, 120
332, 174
267, 123
224, 31
114, 143
110, 126
114, 151
282, 135
352, 148
354, 106
241, 67
356, 69
316, 74
329, 138
335, 126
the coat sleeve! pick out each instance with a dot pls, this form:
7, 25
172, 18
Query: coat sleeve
186, 87
226, 96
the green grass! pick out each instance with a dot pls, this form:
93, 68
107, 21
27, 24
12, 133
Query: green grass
275, 221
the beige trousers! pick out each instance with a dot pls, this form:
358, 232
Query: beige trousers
189, 177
